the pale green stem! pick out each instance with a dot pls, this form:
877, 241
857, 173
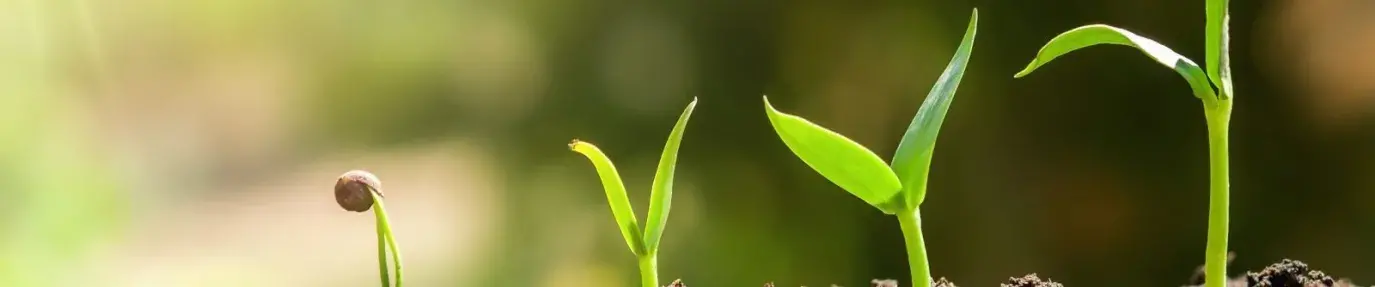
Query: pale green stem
916, 247
649, 271
384, 226
1215, 265
382, 254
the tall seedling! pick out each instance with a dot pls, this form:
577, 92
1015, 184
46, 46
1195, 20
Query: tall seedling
1213, 87
644, 244
898, 189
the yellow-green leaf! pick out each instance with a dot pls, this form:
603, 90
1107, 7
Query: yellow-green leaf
1103, 34
912, 161
615, 194
839, 159
661, 195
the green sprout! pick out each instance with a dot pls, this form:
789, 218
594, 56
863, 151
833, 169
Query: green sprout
900, 189
645, 245
1213, 87
359, 191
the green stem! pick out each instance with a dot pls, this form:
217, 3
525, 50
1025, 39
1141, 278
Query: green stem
382, 254
649, 271
916, 247
385, 227
1215, 265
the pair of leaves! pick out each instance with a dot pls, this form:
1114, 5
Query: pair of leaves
861, 172
1218, 72
661, 193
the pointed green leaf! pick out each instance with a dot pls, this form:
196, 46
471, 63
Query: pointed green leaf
661, 196
912, 160
1218, 60
839, 159
1103, 34
615, 194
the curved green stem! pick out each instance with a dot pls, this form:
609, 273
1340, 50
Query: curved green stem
1219, 115
384, 230
649, 271
916, 247
382, 256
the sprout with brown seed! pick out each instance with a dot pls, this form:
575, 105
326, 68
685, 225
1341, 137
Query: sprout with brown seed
358, 191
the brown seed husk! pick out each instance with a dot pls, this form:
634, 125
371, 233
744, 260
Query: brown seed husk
353, 190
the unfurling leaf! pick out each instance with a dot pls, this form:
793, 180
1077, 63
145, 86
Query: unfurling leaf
1103, 34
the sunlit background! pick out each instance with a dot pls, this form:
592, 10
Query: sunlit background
195, 143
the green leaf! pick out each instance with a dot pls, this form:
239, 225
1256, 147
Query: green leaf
839, 159
1218, 60
912, 160
1103, 34
615, 194
661, 196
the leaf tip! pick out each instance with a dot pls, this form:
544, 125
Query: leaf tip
1030, 67
1021, 74
580, 146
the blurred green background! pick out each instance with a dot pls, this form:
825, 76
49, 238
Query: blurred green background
195, 143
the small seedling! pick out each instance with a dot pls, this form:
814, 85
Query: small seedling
901, 188
644, 244
359, 191
1217, 106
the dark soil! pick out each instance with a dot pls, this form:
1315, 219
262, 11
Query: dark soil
1286, 273
894, 283
942, 283
1293, 273
1030, 280
875, 283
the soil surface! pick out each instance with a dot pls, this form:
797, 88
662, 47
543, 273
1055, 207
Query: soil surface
875, 283
1293, 273
1030, 280
894, 283
942, 283
1286, 273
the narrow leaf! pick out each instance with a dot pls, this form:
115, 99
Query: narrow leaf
661, 196
1103, 34
912, 160
1218, 62
839, 159
615, 194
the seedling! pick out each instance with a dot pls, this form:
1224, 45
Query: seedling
898, 189
359, 191
644, 244
1217, 106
